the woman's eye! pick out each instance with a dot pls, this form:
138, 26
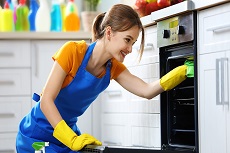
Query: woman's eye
127, 40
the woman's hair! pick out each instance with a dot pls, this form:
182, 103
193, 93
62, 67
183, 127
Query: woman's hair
120, 18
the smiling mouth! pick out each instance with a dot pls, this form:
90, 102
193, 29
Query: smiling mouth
123, 53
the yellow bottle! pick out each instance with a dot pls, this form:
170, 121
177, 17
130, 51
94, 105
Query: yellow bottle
6, 19
0, 18
63, 9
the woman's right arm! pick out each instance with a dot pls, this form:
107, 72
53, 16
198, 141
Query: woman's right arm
50, 92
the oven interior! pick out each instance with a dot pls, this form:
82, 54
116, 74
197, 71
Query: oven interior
179, 105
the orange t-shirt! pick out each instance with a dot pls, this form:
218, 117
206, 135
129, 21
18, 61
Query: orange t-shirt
70, 57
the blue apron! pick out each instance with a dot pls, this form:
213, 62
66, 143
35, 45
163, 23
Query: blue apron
72, 101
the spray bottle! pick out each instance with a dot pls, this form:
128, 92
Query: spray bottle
6, 19
39, 147
15, 4
22, 12
56, 18
63, 8
43, 19
32, 14
72, 20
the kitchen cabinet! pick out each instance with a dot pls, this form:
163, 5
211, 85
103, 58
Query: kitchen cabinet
214, 61
15, 91
128, 120
25, 63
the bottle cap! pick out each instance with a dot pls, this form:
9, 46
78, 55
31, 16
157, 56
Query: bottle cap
6, 5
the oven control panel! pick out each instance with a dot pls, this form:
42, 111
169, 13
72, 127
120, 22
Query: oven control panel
175, 30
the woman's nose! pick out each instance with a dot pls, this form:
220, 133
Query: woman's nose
130, 47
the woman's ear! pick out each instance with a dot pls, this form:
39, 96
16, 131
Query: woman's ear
108, 32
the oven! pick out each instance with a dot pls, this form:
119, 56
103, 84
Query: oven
179, 106
176, 40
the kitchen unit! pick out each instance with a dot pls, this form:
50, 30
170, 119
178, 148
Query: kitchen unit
214, 58
25, 62
15, 86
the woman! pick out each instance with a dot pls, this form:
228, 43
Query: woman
79, 74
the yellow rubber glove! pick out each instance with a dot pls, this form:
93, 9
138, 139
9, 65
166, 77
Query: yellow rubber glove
173, 78
67, 136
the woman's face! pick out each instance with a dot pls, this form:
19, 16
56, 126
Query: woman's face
121, 43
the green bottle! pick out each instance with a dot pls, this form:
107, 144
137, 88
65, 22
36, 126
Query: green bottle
22, 12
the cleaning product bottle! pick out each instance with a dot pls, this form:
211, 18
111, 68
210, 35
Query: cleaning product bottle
72, 20
43, 19
63, 8
10, 4
15, 4
0, 18
39, 147
6, 19
56, 18
22, 12
32, 14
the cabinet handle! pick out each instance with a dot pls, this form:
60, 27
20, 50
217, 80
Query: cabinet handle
7, 151
7, 115
6, 54
219, 28
222, 81
6, 82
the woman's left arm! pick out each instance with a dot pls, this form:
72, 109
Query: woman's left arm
137, 86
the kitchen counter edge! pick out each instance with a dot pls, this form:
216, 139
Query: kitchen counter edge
81, 35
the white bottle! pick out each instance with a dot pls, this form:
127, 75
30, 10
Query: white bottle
43, 19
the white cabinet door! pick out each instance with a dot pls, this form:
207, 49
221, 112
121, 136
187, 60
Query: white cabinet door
227, 107
42, 62
212, 115
214, 48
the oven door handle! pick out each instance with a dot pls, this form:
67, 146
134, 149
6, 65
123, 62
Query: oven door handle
222, 81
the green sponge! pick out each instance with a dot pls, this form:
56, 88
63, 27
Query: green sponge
190, 68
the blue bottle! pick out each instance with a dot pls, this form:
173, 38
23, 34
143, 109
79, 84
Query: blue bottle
56, 17
32, 14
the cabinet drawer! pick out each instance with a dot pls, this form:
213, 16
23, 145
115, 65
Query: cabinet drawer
214, 29
151, 52
12, 110
14, 53
15, 82
7, 142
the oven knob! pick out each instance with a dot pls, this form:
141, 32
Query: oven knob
180, 30
166, 33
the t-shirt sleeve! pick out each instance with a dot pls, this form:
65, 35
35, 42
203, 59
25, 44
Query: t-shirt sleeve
72, 52
69, 57
117, 68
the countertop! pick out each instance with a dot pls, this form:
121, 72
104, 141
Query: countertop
81, 35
